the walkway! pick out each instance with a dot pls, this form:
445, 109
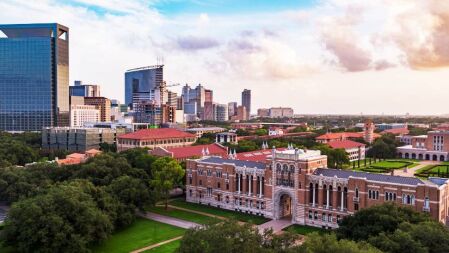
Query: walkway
411, 171
197, 212
155, 245
170, 220
276, 225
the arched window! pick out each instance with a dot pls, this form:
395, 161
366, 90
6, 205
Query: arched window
292, 169
356, 192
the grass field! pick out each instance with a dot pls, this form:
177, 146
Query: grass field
166, 248
219, 212
184, 215
141, 233
304, 230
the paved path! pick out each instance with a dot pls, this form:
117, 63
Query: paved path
276, 225
155, 245
170, 220
197, 212
411, 172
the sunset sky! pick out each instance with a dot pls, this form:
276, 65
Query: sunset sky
329, 56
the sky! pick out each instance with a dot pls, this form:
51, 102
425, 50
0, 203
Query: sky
316, 56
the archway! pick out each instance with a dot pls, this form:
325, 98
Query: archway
420, 156
285, 207
407, 156
442, 158
427, 157
413, 156
400, 155
435, 158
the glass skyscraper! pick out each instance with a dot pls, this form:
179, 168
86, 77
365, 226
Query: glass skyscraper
34, 76
140, 83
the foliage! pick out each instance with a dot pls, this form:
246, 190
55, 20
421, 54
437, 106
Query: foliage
167, 173
233, 237
324, 243
242, 132
384, 147
206, 138
299, 129
335, 157
65, 219
417, 130
106, 147
261, 132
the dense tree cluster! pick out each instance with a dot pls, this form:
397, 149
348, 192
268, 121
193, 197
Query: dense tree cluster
235, 238
384, 147
395, 229
69, 208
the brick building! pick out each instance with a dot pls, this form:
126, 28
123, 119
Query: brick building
295, 184
152, 138
433, 146
355, 150
184, 153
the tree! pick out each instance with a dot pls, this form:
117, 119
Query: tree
384, 147
261, 132
167, 173
106, 147
130, 191
340, 157
316, 243
372, 221
65, 219
232, 237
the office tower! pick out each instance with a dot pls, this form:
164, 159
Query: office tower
263, 112
84, 90
180, 103
172, 99
281, 112
80, 114
241, 113
103, 104
209, 112
221, 112
195, 96
141, 83
246, 101
208, 95
232, 109
34, 76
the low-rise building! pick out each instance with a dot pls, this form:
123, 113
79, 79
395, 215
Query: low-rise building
152, 138
275, 131
78, 158
189, 152
433, 146
80, 114
355, 150
199, 131
226, 137
78, 139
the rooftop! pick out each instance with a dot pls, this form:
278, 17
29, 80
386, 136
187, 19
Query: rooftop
346, 144
239, 163
369, 176
158, 133
192, 151
257, 155
195, 129
396, 131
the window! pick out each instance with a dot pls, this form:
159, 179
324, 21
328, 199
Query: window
356, 206
338, 218
373, 194
190, 180
310, 214
219, 174
324, 217
227, 186
209, 191
201, 182
315, 215
218, 185
209, 173
190, 193
356, 192
329, 217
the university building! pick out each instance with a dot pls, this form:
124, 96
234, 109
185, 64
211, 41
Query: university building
296, 184
433, 146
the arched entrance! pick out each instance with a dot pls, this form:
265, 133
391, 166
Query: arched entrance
413, 156
427, 157
420, 156
434, 157
442, 158
407, 156
285, 207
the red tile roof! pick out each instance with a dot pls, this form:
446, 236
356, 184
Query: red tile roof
257, 155
396, 131
343, 135
346, 144
192, 151
159, 133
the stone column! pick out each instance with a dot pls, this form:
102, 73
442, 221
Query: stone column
249, 185
260, 187
239, 183
327, 197
313, 198
342, 200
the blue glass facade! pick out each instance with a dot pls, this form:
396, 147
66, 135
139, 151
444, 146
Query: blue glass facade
33, 77
140, 83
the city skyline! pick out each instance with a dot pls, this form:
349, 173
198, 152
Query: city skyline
325, 57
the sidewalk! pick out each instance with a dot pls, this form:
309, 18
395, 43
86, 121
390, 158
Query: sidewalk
170, 220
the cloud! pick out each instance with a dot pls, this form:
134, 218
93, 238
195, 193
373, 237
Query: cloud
193, 43
422, 33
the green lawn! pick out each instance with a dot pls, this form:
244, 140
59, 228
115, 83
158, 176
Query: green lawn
141, 233
390, 164
304, 230
166, 248
219, 212
184, 215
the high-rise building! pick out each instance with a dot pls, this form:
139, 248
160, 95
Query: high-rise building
209, 111
80, 114
208, 95
103, 104
232, 109
141, 83
241, 114
34, 76
84, 90
195, 96
172, 99
246, 101
263, 112
221, 112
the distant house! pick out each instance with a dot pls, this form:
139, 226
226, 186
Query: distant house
396, 131
355, 150
184, 153
78, 158
275, 131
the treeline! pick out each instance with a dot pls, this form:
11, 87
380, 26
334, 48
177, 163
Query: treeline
71, 208
384, 228
23, 148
